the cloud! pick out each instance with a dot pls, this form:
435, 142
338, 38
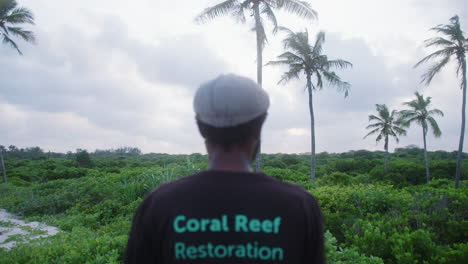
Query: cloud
185, 60
107, 79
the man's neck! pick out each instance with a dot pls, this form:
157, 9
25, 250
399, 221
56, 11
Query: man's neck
229, 161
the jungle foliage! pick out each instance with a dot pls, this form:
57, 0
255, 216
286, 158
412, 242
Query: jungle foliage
370, 216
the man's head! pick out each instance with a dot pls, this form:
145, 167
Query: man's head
230, 111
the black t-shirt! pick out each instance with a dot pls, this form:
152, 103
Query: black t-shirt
227, 217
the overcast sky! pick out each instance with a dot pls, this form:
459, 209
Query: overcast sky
113, 73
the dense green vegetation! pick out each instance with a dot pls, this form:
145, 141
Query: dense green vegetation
371, 217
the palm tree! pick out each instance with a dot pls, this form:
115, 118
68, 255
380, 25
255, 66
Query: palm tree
257, 8
10, 17
2, 164
386, 124
452, 44
301, 57
420, 114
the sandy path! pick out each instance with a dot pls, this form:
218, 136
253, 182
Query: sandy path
13, 230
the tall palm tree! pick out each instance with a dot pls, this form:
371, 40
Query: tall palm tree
386, 124
257, 8
424, 117
10, 17
2, 164
301, 57
452, 44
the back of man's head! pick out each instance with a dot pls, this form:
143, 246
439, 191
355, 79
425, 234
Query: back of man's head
230, 110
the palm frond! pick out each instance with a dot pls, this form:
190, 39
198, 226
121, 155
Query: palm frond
383, 111
374, 117
423, 102
409, 121
289, 75
298, 42
427, 77
278, 62
4, 29
8, 41
372, 133
398, 131
439, 41
27, 36
319, 79
6, 6
414, 104
435, 112
448, 30
19, 15
453, 42
379, 137
340, 64
447, 52
335, 80
319, 40
218, 10
435, 127
291, 57
299, 8
374, 125
407, 117
453, 30
266, 9
239, 13
286, 30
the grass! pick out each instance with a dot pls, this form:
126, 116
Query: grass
7, 224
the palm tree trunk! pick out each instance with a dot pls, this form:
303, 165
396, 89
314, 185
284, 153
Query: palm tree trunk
462, 133
312, 130
428, 177
259, 71
386, 154
3, 167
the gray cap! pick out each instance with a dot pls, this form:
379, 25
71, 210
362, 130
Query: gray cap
229, 100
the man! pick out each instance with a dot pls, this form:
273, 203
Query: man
228, 214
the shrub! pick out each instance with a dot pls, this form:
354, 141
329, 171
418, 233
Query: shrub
339, 178
83, 160
337, 254
285, 174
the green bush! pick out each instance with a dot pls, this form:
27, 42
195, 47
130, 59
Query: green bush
340, 255
80, 245
18, 182
339, 178
285, 174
